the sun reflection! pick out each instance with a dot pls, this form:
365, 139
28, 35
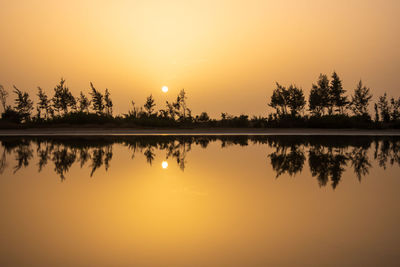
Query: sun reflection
164, 164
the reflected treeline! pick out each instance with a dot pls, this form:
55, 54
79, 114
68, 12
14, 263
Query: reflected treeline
328, 157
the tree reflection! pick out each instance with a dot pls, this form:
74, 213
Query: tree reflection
63, 158
327, 164
360, 161
23, 154
328, 157
288, 160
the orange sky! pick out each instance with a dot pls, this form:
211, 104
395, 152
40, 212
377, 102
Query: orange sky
226, 54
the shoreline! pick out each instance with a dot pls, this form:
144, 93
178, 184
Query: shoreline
194, 132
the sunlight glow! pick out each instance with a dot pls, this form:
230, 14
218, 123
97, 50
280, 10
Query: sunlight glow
164, 164
164, 89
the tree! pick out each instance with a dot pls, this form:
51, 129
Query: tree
179, 107
283, 99
23, 105
3, 97
394, 109
133, 113
337, 97
319, 96
63, 98
43, 104
171, 110
108, 103
360, 100
84, 103
97, 100
182, 105
296, 101
71, 102
149, 105
279, 100
376, 112
203, 117
384, 109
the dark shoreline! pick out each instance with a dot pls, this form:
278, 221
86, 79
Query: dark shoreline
75, 131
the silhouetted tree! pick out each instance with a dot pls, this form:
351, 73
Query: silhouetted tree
23, 105
43, 104
63, 98
97, 100
108, 103
319, 98
376, 112
181, 104
163, 113
3, 97
171, 110
203, 117
394, 109
279, 100
296, 101
283, 99
84, 103
384, 109
337, 97
132, 113
360, 100
149, 105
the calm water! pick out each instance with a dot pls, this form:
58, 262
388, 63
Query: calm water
200, 201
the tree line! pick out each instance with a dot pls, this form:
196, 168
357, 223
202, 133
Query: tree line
327, 105
327, 97
96, 107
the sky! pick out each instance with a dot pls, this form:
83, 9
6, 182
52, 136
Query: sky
227, 54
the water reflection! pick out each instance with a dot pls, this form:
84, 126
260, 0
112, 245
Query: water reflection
328, 157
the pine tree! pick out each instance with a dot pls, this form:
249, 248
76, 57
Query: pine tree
97, 100
384, 109
279, 100
23, 105
84, 103
3, 97
319, 99
337, 97
108, 103
63, 98
44, 103
181, 99
149, 105
360, 100
296, 101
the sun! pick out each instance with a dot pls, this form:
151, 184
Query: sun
164, 164
164, 89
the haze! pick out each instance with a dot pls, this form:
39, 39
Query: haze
226, 54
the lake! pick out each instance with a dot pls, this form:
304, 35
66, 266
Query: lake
200, 201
